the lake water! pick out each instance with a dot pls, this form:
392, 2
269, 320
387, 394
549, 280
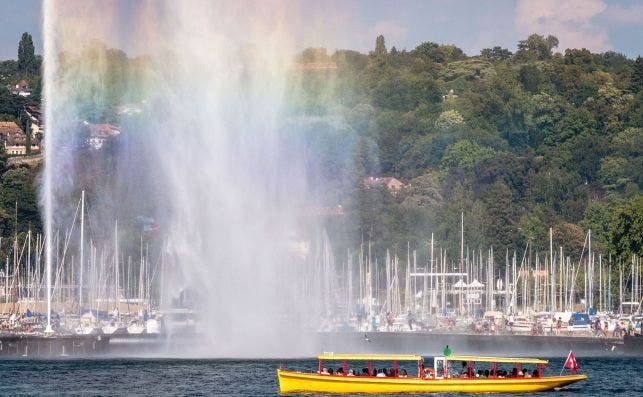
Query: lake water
160, 377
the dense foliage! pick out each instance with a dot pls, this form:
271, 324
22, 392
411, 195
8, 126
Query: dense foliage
519, 142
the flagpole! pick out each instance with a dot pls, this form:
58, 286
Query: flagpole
564, 363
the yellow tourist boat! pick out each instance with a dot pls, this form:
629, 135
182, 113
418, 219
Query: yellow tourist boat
469, 374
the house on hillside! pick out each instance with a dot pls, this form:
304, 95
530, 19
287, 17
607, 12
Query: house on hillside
14, 139
98, 134
35, 120
449, 96
392, 184
21, 88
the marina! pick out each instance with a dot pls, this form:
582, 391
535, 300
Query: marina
321, 198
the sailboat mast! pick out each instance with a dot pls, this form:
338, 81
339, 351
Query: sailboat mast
116, 275
552, 269
82, 251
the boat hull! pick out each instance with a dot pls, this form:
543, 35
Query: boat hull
296, 382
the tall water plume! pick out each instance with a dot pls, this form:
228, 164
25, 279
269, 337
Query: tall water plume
211, 156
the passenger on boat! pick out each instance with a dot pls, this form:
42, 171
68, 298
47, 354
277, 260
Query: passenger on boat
465, 370
324, 371
514, 372
351, 372
486, 373
403, 373
330, 371
340, 371
534, 374
380, 373
365, 372
526, 373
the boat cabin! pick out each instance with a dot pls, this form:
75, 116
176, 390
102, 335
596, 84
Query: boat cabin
444, 367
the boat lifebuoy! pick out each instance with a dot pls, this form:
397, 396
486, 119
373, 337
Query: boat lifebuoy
429, 373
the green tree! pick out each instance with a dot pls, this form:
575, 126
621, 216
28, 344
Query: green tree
613, 171
500, 228
636, 81
583, 58
448, 120
438, 53
597, 217
536, 47
530, 77
465, 154
11, 104
26, 56
18, 186
3, 160
496, 53
626, 229
380, 45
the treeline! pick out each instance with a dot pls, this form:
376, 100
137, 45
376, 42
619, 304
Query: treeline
519, 141
19, 210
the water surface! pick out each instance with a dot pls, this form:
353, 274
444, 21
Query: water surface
170, 377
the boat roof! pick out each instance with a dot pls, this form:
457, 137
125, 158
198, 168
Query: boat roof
370, 357
498, 359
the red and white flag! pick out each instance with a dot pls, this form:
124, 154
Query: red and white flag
571, 362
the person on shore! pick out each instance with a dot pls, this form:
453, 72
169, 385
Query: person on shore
630, 328
390, 318
597, 328
373, 324
559, 325
410, 318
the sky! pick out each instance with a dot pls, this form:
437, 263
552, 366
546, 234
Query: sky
599, 25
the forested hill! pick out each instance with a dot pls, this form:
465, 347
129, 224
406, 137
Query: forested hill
520, 142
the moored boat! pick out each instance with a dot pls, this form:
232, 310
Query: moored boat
472, 374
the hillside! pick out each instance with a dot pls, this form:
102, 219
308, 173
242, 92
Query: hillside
517, 142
